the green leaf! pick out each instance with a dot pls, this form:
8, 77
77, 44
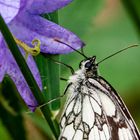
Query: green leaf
50, 75
10, 110
53, 75
39, 123
4, 134
50, 71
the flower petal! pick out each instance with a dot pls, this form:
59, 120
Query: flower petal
54, 38
2, 60
45, 6
14, 72
9, 9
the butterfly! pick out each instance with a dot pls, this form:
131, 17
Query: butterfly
94, 110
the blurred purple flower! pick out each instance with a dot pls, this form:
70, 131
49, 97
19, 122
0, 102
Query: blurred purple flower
24, 20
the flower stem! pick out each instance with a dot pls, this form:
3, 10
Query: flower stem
27, 75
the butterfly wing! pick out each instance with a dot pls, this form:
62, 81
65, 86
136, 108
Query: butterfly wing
123, 123
95, 112
84, 117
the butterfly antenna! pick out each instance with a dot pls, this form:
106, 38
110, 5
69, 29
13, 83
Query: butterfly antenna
118, 52
71, 48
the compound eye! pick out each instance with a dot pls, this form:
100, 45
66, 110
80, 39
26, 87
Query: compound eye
88, 64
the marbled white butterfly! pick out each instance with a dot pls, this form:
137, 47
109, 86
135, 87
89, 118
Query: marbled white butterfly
94, 110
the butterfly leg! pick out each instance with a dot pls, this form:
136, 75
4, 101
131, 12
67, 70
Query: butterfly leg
57, 98
61, 63
63, 79
71, 69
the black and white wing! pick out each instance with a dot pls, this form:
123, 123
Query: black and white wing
95, 112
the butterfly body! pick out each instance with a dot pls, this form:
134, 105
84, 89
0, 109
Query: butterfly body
94, 111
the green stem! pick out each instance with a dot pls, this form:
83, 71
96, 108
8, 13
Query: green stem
54, 71
27, 75
50, 71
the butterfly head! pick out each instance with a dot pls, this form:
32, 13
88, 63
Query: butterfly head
89, 65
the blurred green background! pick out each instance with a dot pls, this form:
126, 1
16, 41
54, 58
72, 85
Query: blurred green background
106, 27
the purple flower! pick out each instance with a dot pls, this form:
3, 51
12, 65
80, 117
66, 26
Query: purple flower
27, 24
9, 66
24, 20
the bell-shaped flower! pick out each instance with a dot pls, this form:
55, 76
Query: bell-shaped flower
24, 21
